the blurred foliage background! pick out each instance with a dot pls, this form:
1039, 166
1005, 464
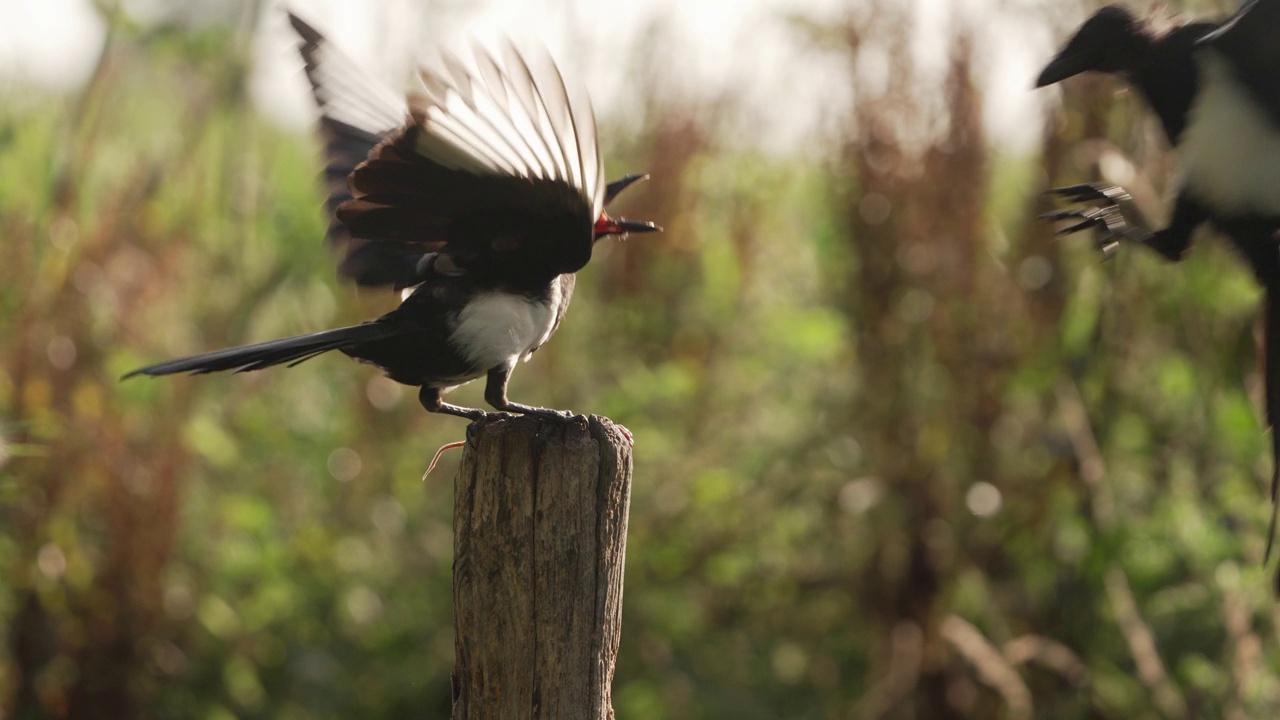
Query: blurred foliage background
899, 453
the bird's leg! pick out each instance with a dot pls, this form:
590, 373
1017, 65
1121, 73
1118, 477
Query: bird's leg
1112, 219
1174, 241
431, 400
495, 393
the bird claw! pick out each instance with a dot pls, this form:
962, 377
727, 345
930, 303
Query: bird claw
515, 410
1086, 192
549, 413
1107, 219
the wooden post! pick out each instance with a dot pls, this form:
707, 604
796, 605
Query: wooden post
540, 537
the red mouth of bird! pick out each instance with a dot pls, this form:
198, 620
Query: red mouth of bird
606, 225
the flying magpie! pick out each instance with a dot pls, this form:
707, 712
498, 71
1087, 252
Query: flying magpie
1216, 90
478, 198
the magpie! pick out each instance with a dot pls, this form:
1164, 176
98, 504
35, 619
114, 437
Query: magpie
477, 197
1216, 89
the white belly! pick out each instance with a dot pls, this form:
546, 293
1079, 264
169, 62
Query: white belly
1229, 155
499, 329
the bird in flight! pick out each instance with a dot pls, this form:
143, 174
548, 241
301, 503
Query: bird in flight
1215, 86
477, 197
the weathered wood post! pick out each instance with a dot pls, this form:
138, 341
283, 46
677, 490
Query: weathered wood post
540, 536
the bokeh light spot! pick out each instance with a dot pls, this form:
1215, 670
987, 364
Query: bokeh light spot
1034, 272
859, 496
384, 393
363, 604
51, 561
344, 464
62, 352
983, 499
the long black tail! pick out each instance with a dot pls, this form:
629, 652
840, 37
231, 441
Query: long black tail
255, 357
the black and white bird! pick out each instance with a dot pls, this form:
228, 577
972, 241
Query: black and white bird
478, 197
1216, 90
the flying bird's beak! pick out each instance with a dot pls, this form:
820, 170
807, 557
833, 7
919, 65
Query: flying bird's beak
1066, 65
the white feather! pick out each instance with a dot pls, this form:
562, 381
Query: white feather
522, 84
497, 329
511, 115
351, 95
1227, 154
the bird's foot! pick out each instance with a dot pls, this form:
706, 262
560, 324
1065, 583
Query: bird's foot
1107, 218
1086, 192
541, 412
514, 410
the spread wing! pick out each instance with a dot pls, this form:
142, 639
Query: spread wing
494, 162
357, 113
1250, 41
498, 166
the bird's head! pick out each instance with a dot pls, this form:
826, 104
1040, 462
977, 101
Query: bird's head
607, 225
1112, 41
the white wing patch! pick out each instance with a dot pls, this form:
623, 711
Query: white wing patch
1228, 151
511, 115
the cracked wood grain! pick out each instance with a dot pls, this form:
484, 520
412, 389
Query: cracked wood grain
540, 523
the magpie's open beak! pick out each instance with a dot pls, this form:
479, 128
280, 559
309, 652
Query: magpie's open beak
621, 226
1067, 64
606, 225
612, 189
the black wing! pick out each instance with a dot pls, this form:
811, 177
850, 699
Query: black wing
357, 113
1250, 41
498, 166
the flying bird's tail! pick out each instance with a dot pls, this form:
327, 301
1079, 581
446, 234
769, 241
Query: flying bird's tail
274, 352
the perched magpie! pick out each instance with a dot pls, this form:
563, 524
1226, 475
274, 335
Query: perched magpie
478, 198
1216, 89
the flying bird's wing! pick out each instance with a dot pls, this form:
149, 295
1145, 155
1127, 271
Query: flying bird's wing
499, 165
1250, 41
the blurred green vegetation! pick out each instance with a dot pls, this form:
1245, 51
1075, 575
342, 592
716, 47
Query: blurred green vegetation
898, 452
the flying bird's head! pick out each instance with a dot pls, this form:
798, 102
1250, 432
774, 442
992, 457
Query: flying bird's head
1112, 41
607, 225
